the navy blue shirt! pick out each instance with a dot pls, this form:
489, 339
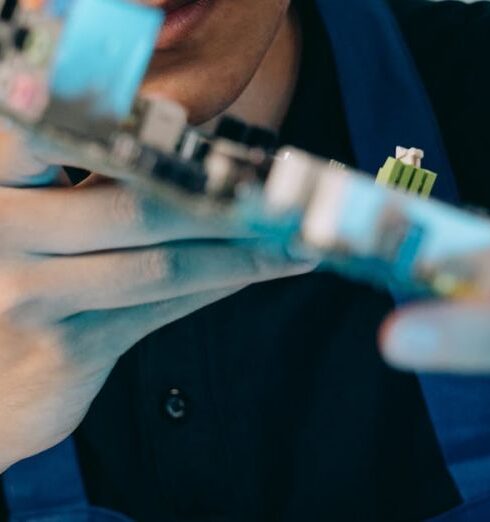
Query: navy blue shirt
274, 404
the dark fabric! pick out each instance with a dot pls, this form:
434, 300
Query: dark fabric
49, 481
385, 99
81, 514
290, 413
475, 511
449, 41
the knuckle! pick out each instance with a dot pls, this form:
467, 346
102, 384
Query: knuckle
152, 215
138, 211
126, 207
162, 265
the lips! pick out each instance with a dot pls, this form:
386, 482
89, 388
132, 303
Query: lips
183, 18
168, 6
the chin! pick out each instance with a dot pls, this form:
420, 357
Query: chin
200, 107
209, 71
203, 95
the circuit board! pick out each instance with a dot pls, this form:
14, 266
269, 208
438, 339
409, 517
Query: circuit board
77, 98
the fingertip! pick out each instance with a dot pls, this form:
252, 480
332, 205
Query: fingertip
385, 330
409, 340
446, 337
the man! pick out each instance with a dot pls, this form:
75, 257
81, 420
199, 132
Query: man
271, 404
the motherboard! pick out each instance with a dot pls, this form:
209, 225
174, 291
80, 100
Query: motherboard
69, 82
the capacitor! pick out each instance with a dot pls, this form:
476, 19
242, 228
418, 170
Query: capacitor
163, 124
291, 181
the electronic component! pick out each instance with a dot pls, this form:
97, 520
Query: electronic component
96, 78
291, 182
231, 129
20, 38
163, 124
76, 94
405, 172
8, 9
238, 131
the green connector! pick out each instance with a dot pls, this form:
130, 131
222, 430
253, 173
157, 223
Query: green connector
390, 173
428, 184
398, 175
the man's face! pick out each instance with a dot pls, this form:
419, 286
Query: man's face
210, 50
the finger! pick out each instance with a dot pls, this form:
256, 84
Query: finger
19, 167
93, 217
101, 336
63, 286
446, 337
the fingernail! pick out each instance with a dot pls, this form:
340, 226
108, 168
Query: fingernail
411, 343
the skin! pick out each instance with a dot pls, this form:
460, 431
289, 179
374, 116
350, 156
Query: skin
260, 33
451, 336
78, 264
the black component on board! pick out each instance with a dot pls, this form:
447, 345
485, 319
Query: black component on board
8, 9
189, 176
232, 129
20, 38
253, 136
262, 138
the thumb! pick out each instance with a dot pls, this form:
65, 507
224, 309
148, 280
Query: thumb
445, 337
20, 167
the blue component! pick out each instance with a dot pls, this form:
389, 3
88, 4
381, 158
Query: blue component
408, 252
103, 54
58, 8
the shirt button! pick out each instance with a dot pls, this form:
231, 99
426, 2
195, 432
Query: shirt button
175, 405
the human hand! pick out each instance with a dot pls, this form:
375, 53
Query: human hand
445, 336
85, 272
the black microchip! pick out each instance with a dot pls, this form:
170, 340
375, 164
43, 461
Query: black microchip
262, 138
188, 176
232, 129
8, 9
20, 38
